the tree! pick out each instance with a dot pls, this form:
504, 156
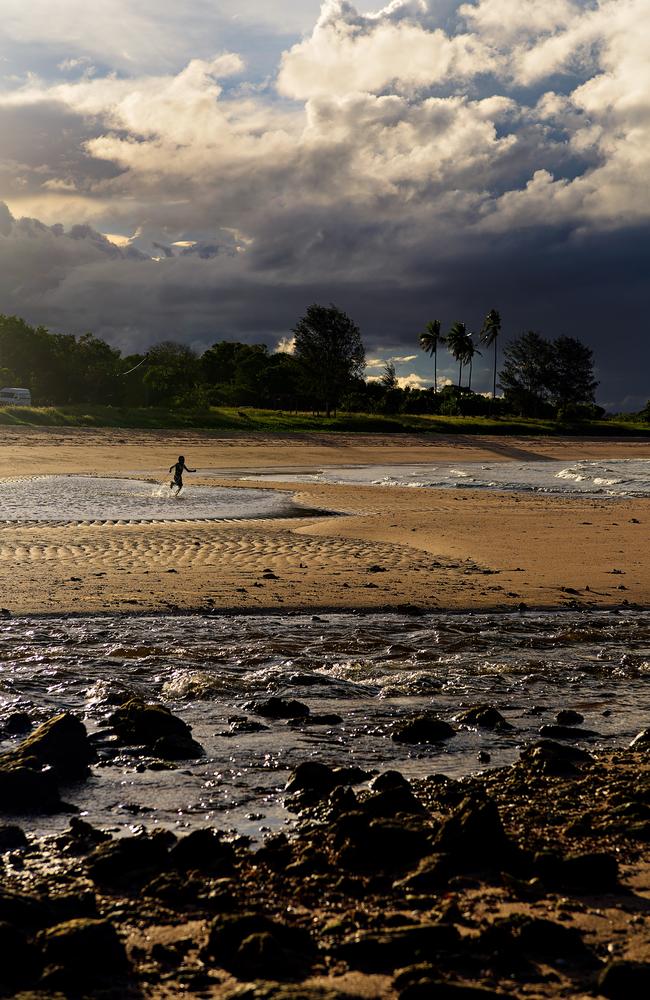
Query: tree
489, 335
458, 341
171, 373
526, 374
389, 376
571, 381
430, 338
329, 350
468, 357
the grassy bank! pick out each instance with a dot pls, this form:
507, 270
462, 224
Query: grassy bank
274, 421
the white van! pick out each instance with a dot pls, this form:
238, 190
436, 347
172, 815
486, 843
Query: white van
15, 397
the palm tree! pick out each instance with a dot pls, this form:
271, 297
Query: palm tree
489, 334
429, 340
470, 351
457, 343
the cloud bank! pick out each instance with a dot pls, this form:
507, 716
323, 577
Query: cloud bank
427, 159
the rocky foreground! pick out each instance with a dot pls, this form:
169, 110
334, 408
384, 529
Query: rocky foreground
528, 881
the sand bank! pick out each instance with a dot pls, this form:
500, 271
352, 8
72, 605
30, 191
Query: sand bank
434, 548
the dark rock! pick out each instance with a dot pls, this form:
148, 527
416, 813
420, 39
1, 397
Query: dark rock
592, 872
389, 780
641, 741
588, 873
17, 724
81, 951
202, 850
535, 936
278, 708
12, 838
248, 726
485, 717
567, 733
27, 790
129, 857
138, 723
252, 945
276, 852
483, 757
432, 873
311, 776
28, 912
20, 960
381, 845
392, 802
81, 837
568, 717
422, 729
474, 836
623, 980
388, 950
331, 719
61, 744
554, 758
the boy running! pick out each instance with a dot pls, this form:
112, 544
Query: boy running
178, 469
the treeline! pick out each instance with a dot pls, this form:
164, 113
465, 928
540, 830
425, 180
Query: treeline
324, 372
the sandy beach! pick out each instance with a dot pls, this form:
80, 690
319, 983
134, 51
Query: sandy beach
381, 548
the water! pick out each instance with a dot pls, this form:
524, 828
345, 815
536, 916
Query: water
611, 478
370, 669
66, 499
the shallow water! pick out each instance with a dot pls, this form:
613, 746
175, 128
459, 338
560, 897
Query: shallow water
370, 669
94, 498
613, 478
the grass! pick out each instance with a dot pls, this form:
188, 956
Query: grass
248, 419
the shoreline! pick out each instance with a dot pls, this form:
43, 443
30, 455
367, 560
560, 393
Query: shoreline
438, 549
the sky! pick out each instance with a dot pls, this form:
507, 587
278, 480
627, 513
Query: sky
206, 169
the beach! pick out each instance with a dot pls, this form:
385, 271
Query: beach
434, 548
319, 730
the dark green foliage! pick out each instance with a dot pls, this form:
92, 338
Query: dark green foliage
330, 353
545, 378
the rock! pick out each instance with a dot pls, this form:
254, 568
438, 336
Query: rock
595, 872
535, 936
12, 838
24, 790
567, 733
554, 758
380, 845
247, 726
20, 960
623, 980
483, 757
331, 719
81, 951
311, 776
392, 802
431, 873
61, 744
485, 717
387, 950
28, 912
202, 850
138, 723
17, 724
252, 945
422, 729
568, 717
278, 708
474, 836
129, 857
81, 837
641, 741
389, 780
282, 991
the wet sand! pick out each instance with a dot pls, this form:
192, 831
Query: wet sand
437, 549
